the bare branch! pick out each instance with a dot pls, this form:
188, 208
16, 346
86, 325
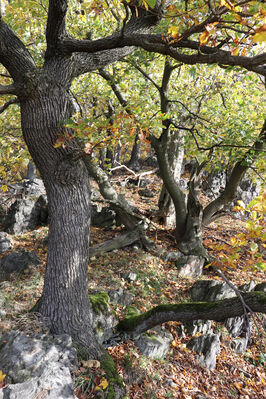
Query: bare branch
147, 76
8, 103
155, 43
9, 89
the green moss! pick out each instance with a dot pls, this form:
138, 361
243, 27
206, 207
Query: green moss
99, 302
99, 328
130, 323
132, 311
112, 376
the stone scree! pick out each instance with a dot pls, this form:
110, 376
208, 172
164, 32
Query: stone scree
5, 242
37, 366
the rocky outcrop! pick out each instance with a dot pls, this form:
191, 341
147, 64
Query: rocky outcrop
30, 208
210, 291
37, 366
207, 348
155, 344
5, 242
190, 266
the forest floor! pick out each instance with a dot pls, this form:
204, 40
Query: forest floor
179, 375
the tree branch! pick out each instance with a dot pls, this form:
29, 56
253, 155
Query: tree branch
155, 43
8, 103
186, 312
55, 28
14, 55
9, 89
92, 55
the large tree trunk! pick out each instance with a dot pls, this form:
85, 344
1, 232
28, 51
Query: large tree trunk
65, 300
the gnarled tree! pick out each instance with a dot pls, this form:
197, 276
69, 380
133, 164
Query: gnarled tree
43, 92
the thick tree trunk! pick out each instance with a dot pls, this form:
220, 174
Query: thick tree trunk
65, 300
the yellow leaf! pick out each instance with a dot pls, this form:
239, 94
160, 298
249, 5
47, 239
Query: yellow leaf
204, 37
173, 31
145, 5
103, 384
228, 4
4, 188
235, 51
2, 376
259, 37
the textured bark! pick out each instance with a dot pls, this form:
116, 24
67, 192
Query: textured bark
175, 151
45, 105
188, 312
160, 146
120, 241
64, 300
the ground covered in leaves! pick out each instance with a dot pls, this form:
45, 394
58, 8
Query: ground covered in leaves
179, 375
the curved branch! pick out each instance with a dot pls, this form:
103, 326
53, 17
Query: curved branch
186, 312
91, 55
155, 43
9, 89
8, 103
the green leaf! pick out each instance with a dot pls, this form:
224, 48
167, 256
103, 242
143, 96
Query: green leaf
151, 3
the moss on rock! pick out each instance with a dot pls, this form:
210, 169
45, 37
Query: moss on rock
99, 302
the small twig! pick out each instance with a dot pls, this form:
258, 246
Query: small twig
192, 113
114, 14
122, 167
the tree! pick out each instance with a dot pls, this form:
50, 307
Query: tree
215, 138
45, 104
41, 83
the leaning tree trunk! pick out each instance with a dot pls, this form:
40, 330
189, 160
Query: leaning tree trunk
65, 300
175, 151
